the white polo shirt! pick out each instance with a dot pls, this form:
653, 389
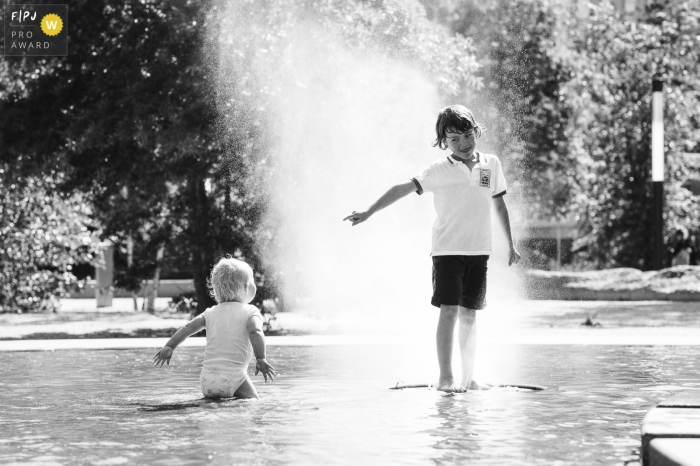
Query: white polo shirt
463, 203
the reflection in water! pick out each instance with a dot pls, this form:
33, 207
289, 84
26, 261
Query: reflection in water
333, 405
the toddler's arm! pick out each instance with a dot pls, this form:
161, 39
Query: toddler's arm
257, 339
192, 327
388, 198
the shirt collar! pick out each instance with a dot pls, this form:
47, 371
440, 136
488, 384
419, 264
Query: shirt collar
454, 161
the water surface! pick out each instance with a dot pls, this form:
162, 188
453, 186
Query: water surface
332, 405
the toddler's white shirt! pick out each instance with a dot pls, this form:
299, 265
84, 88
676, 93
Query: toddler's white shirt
228, 343
462, 201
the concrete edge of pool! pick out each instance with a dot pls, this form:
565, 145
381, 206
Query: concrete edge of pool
625, 336
671, 431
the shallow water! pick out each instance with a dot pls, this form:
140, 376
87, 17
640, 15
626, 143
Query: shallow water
332, 405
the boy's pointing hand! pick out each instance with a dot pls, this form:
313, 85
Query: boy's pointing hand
357, 217
514, 257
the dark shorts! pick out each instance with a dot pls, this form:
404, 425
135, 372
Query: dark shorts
459, 280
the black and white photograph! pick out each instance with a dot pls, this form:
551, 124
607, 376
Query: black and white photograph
342, 232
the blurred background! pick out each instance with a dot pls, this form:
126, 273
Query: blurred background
176, 132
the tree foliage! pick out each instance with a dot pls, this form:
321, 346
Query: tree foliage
127, 116
43, 235
138, 119
521, 47
615, 63
571, 109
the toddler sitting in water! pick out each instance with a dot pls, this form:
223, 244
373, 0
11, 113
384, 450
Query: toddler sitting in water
234, 334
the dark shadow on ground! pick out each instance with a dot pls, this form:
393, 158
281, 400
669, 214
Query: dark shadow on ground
186, 404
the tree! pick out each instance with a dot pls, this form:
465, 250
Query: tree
528, 115
164, 136
43, 235
616, 61
128, 111
571, 109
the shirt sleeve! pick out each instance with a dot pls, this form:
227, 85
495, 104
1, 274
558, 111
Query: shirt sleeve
499, 186
207, 312
253, 311
426, 180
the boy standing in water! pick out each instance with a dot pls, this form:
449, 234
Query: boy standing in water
463, 185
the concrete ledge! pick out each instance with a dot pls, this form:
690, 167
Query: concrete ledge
674, 452
643, 336
569, 293
676, 418
129, 343
679, 283
684, 399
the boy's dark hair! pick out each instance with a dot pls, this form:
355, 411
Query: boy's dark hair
458, 119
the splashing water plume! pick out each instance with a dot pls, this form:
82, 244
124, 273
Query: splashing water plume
346, 125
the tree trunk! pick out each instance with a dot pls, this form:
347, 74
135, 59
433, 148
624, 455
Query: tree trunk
151, 307
203, 251
129, 263
130, 250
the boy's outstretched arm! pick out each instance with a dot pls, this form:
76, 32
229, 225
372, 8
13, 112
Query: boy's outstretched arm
257, 340
502, 210
388, 198
165, 353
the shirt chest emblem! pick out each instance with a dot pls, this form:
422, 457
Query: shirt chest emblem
485, 178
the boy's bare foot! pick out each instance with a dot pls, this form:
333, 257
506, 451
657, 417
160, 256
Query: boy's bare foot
450, 386
474, 385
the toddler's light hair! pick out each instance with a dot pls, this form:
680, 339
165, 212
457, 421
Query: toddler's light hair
229, 278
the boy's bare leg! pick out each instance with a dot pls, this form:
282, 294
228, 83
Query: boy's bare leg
445, 342
247, 390
467, 347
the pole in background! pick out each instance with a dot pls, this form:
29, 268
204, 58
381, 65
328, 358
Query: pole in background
657, 169
558, 247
